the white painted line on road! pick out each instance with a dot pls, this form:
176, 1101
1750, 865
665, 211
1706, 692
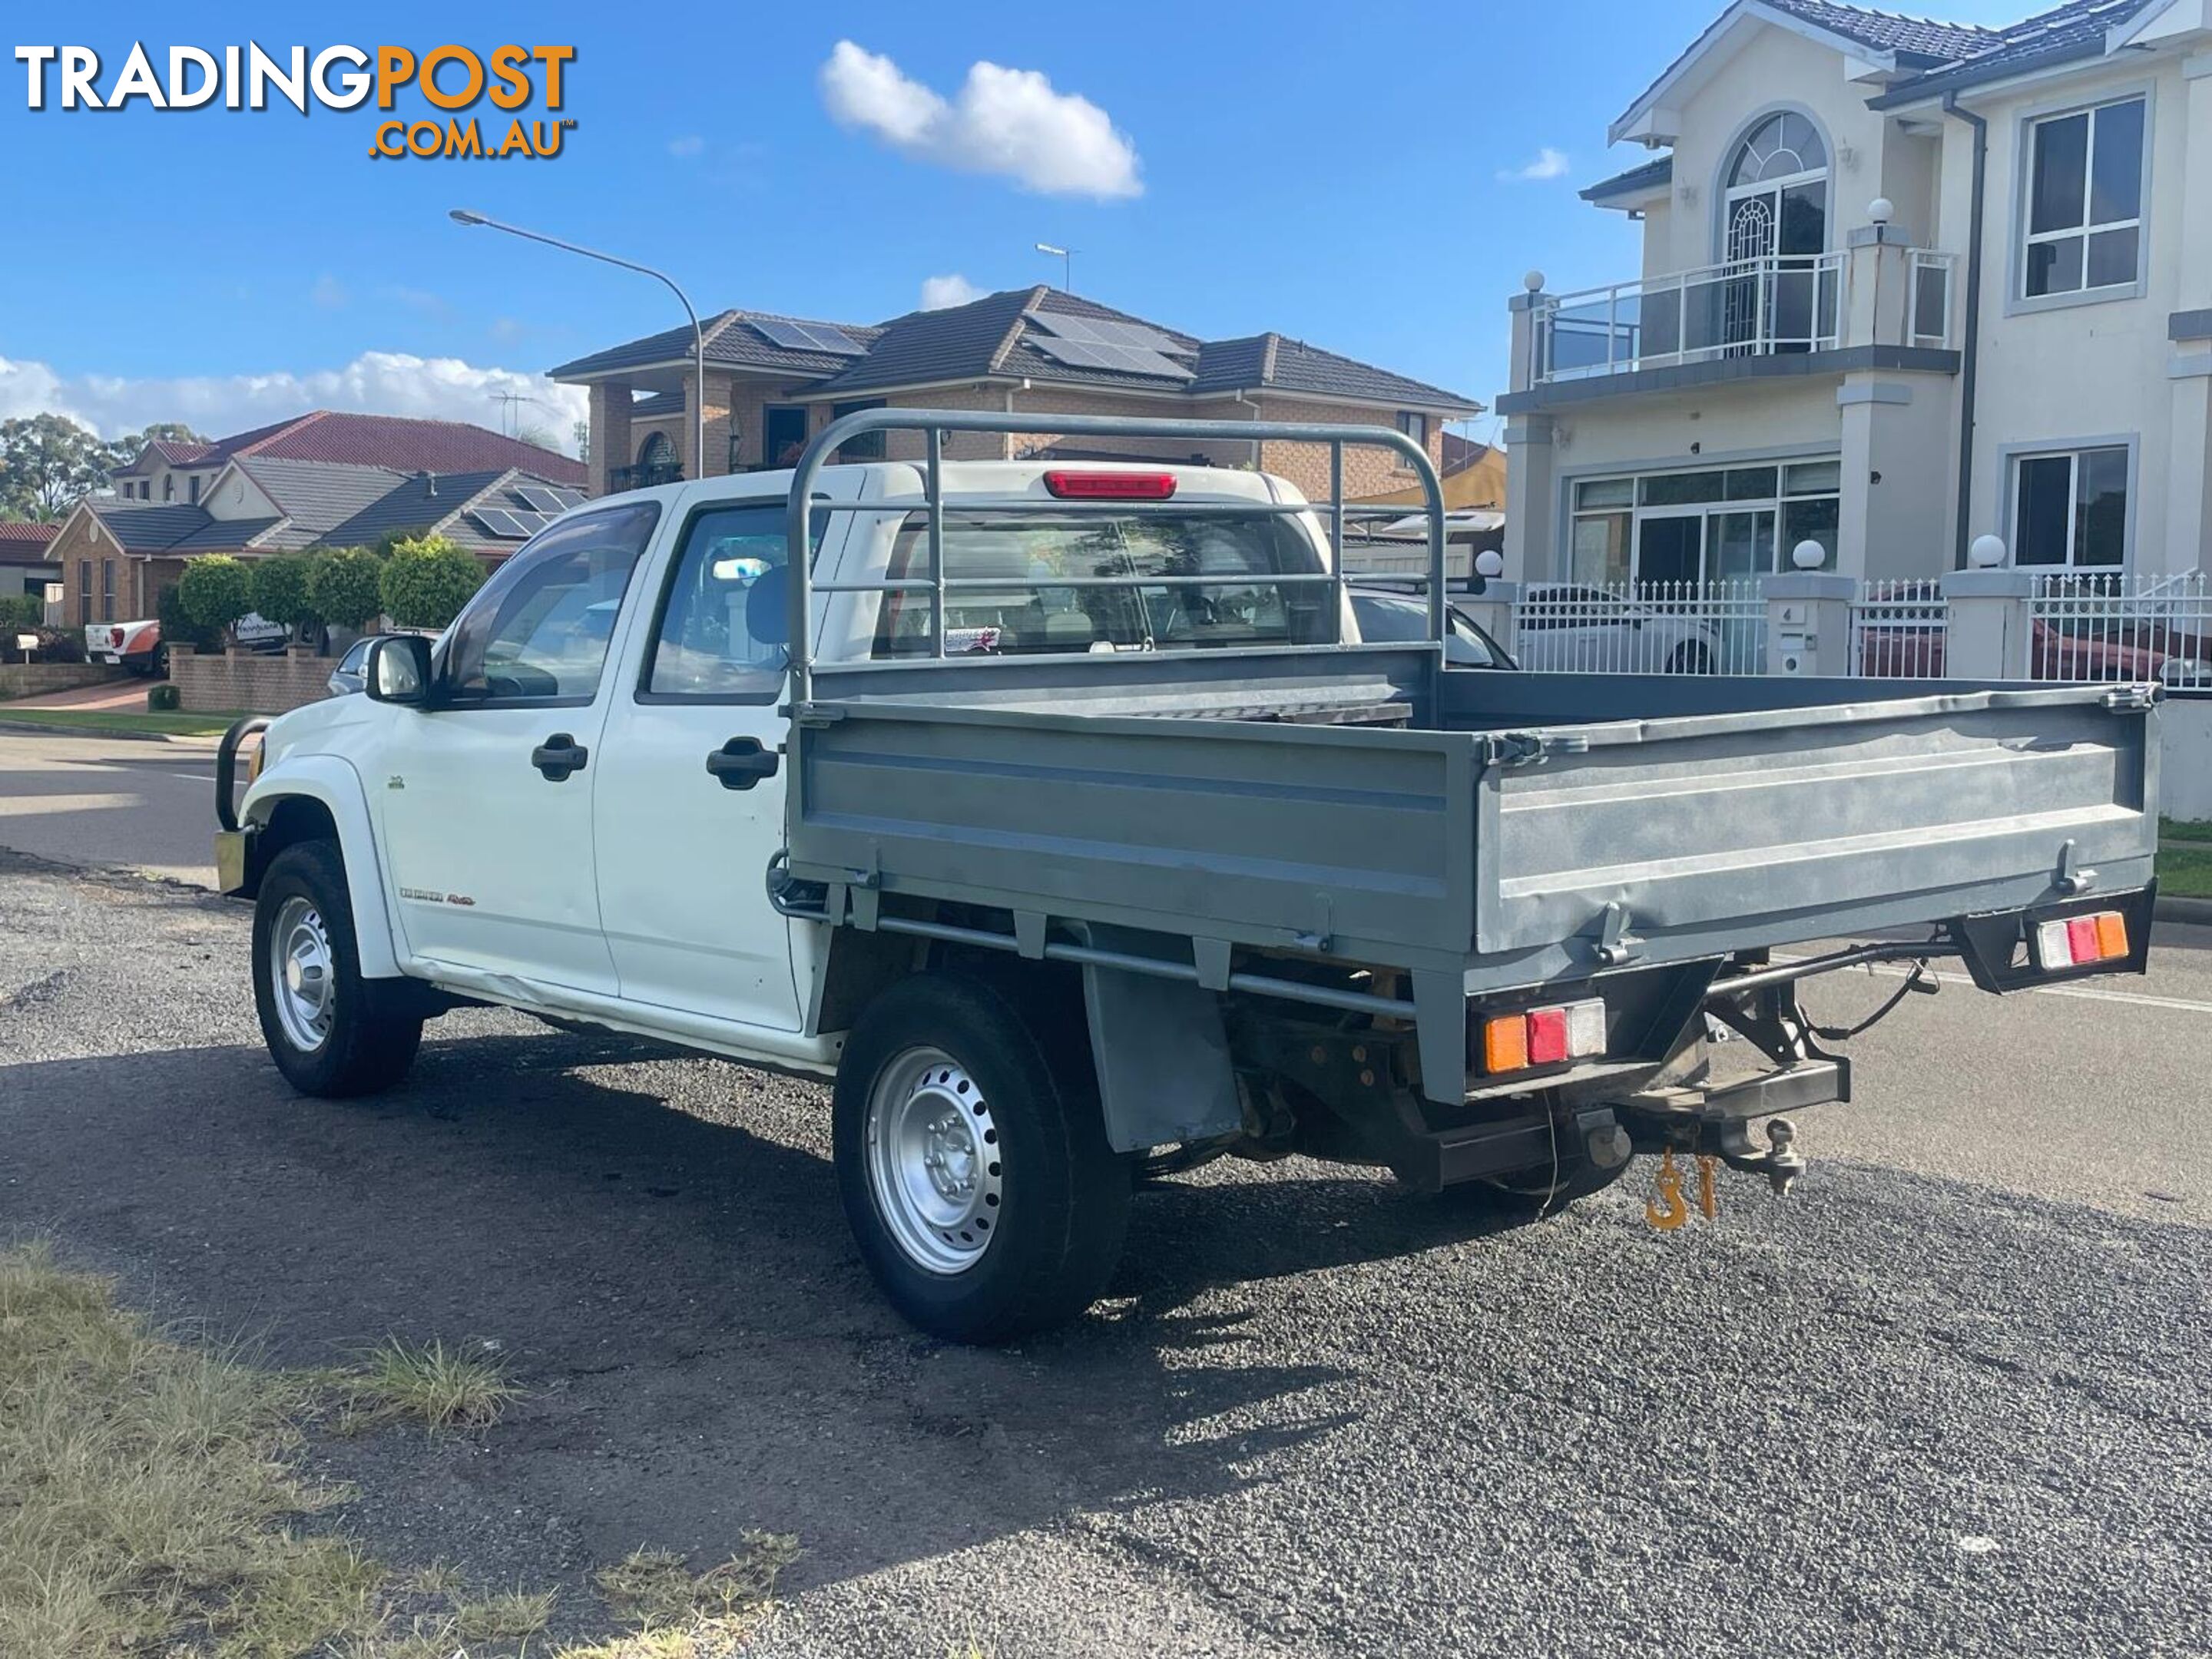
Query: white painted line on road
2087, 992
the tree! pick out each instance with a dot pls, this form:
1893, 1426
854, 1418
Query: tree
345, 586
538, 433
215, 589
19, 613
47, 463
427, 581
581, 433
281, 592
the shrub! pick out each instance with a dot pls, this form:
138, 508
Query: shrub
160, 699
216, 590
279, 586
179, 631
344, 586
21, 614
58, 645
427, 582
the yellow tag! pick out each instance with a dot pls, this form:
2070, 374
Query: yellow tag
1670, 1211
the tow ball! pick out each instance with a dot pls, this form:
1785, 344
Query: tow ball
1780, 1162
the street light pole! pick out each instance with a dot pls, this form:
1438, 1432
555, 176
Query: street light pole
463, 216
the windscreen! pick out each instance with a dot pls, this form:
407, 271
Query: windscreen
1204, 581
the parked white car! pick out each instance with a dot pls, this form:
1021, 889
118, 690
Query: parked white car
136, 646
1564, 629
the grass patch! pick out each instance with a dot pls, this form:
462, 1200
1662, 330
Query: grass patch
2185, 872
681, 1614
439, 1387
2183, 829
119, 720
150, 1492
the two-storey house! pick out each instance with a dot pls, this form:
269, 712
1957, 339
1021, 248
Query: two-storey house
1905, 285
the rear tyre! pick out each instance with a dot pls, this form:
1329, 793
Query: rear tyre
159, 666
1690, 659
332, 1032
974, 1175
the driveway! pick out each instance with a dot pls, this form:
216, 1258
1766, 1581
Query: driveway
1949, 1396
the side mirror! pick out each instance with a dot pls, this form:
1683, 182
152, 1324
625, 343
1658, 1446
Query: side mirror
398, 671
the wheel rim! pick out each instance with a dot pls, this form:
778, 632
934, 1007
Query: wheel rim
303, 980
935, 1160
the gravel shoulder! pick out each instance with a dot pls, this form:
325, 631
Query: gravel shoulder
1900, 1412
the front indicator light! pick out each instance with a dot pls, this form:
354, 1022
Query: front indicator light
2079, 940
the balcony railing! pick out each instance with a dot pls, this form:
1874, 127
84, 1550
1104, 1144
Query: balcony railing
644, 474
1768, 306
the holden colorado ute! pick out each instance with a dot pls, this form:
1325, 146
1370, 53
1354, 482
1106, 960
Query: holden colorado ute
1057, 813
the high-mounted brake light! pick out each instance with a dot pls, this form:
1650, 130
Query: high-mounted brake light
1543, 1036
1111, 486
2079, 941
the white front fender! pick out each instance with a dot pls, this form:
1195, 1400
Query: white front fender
333, 783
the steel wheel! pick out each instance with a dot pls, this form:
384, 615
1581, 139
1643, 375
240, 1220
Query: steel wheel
301, 974
933, 1160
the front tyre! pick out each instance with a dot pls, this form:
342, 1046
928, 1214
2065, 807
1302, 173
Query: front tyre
330, 1032
974, 1175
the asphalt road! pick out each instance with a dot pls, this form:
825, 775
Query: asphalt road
141, 805
1950, 1396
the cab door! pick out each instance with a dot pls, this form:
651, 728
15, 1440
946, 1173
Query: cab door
689, 808
484, 799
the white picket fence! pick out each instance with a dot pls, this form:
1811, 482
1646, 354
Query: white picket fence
1642, 628
2117, 627
2083, 626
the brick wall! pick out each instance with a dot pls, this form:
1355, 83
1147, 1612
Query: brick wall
610, 434
35, 679
1366, 471
255, 682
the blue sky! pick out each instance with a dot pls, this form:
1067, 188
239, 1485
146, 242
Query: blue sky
1344, 174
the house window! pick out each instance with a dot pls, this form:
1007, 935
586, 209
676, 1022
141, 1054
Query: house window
1713, 524
2070, 509
2085, 190
195, 489
869, 445
108, 590
84, 590
169, 487
1415, 426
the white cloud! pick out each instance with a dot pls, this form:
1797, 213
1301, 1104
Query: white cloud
688, 146
328, 292
1003, 121
952, 289
1549, 164
375, 383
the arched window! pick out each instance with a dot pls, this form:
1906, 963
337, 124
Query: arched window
1784, 146
656, 451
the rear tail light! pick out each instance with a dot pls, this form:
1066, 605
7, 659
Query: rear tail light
2079, 940
1111, 486
115, 637
1543, 1036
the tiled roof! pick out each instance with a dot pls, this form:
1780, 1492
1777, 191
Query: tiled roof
2071, 33
172, 453
28, 535
404, 444
660, 405
144, 528
1919, 37
997, 338
1637, 179
227, 535
731, 342
411, 506
316, 497
958, 343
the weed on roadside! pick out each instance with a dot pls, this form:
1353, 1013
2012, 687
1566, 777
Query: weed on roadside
439, 1387
681, 1614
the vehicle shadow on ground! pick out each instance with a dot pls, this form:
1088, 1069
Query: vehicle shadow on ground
702, 1352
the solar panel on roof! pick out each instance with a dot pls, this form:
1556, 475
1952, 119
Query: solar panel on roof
498, 521
542, 501
807, 337
1100, 330
1120, 359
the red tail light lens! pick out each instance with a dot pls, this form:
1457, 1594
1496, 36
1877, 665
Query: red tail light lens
1544, 1036
1111, 486
115, 637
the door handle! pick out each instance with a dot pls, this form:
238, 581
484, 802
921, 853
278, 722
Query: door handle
558, 756
742, 763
